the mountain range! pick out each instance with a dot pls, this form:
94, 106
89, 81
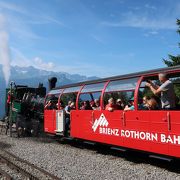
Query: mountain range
32, 76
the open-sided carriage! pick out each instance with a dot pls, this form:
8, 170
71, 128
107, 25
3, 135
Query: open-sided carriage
153, 131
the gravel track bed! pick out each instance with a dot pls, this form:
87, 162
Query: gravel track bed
73, 161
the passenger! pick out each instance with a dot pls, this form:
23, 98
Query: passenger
152, 104
73, 107
82, 105
119, 104
87, 106
144, 105
68, 109
92, 103
8, 102
50, 105
111, 106
96, 105
166, 90
130, 107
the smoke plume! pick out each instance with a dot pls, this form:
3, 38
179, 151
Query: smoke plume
4, 50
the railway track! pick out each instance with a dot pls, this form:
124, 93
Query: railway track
13, 167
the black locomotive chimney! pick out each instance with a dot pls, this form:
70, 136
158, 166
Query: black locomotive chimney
52, 82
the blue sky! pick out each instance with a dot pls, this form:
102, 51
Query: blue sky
91, 37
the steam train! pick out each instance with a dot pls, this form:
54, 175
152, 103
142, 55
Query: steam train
151, 130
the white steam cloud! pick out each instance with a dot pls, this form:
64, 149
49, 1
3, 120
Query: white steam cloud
4, 50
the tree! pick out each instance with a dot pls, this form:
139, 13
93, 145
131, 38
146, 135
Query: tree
174, 60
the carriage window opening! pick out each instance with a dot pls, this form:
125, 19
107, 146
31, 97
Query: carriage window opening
146, 99
51, 102
122, 85
90, 101
121, 99
163, 100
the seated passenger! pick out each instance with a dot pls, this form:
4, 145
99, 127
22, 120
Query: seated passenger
119, 104
130, 107
96, 105
82, 105
92, 103
86, 106
111, 106
152, 104
144, 105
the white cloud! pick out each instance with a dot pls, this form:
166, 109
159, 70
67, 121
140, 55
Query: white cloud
43, 65
21, 60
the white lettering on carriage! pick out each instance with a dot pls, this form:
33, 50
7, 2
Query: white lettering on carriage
139, 135
170, 139
101, 125
109, 131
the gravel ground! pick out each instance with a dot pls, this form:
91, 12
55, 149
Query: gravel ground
74, 161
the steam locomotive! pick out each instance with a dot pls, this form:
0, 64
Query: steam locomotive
25, 108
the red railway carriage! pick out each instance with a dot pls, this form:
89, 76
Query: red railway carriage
156, 131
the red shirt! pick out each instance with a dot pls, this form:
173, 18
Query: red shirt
113, 106
8, 99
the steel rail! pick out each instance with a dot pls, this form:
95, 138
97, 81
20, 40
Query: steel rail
25, 171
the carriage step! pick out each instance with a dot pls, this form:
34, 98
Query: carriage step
161, 158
